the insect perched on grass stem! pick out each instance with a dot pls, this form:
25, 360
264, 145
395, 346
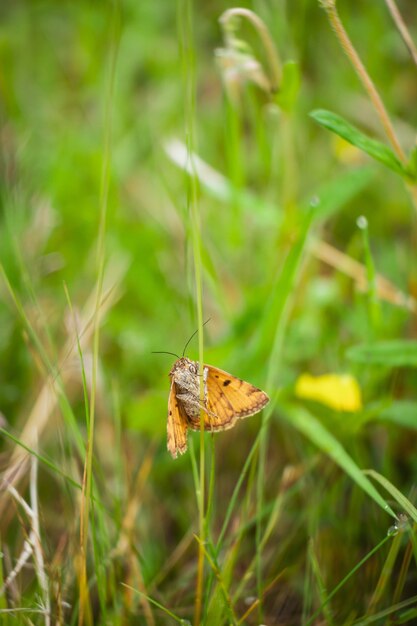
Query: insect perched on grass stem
226, 399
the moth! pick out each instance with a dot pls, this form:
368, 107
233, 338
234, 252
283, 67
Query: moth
226, 399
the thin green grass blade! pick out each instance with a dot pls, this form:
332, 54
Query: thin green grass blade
413, 541
118, 461
81, 358
160, 606
54, 468
308, 592
218, 572
344, 580
211, 485
236, 491
209, 516
51, 369
403, 618
386, 573
102, 565
314, 430
404, 573
188, 66
318, 577
194, 468
28, 325
404, 502
85, 606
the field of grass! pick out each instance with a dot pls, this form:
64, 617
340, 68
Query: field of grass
168, 163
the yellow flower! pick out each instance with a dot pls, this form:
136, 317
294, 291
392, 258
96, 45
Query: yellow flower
338, 391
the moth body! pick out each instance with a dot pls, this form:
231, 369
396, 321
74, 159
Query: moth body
185, 375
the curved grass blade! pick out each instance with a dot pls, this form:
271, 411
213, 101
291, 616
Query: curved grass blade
314, 430
399, 497
180, 620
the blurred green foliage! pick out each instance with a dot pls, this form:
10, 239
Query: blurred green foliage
288, 183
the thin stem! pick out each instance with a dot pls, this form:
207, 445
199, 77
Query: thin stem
37, 548
85, 610
201, 499
404, 32
267, 41
187, 52
385, 577
402, 576
344, 40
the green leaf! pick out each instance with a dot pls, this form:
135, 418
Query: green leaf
314, 430
395, 353
375, 149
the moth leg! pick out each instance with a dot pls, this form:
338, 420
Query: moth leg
194, 421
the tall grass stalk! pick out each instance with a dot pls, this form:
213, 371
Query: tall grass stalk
84, 604
37, 547
320, 584
376, 100
353, 56
188, 67
402, 27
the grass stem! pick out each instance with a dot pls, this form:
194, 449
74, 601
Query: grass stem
350, 51
84, 603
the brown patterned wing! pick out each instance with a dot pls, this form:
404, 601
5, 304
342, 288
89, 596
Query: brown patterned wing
228, 399
176, 425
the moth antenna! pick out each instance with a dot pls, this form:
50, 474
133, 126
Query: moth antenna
193, 335
163, 352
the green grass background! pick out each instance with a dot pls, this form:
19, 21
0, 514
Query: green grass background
93, 206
